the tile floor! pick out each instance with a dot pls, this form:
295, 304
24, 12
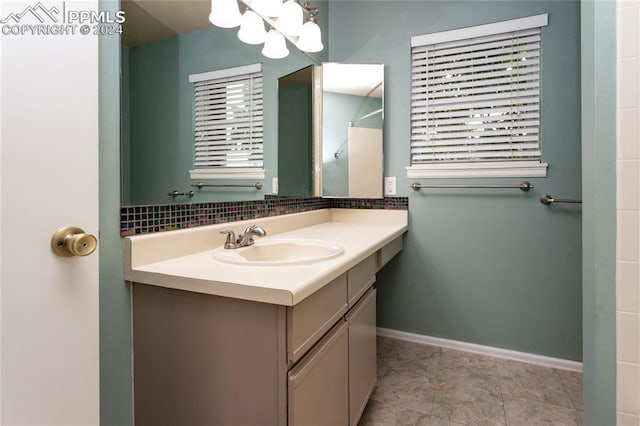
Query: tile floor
427, 385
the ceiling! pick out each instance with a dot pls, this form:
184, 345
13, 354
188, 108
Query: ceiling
152, 20
353, 79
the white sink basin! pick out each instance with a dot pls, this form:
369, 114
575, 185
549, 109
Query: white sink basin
279, 251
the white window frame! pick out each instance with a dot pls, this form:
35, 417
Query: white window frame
479, 169
226, 171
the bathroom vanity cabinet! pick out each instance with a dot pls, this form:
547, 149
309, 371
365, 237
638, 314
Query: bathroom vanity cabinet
208, 359
219, 343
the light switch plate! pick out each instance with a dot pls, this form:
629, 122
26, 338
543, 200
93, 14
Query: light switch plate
274, 185
390, 185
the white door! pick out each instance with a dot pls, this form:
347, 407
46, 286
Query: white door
48, 179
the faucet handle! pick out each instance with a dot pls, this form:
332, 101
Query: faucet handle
231, 239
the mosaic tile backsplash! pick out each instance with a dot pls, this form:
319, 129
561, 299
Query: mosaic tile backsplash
157, 218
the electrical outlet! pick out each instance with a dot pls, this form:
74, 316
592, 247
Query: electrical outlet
390, 185
274, 185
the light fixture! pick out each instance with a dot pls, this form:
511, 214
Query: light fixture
270, 8
275, 46
310, 38
252, 28
225, 13
284, 20
290, 21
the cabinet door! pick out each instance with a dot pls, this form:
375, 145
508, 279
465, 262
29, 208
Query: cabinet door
362, 354
318, 386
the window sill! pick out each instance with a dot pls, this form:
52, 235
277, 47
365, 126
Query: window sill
479, 170
227, 174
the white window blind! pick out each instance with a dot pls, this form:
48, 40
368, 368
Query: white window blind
227, 122
475, 101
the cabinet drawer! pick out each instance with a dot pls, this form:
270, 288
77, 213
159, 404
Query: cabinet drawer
318, 387
362, 354
310, 319
360, 278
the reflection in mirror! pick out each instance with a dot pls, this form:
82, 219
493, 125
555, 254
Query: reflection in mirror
295, 133
330, 134
163, 43
352, 121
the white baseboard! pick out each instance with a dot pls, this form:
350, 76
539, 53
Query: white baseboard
546, 361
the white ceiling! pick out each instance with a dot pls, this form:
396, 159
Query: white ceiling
353, 79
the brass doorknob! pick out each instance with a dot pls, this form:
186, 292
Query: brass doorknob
72, 241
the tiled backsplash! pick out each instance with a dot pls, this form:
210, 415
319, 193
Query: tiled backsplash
157, 218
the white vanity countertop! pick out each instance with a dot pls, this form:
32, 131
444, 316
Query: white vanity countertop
183, 259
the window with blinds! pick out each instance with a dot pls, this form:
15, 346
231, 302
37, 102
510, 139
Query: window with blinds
475, 101
227, 124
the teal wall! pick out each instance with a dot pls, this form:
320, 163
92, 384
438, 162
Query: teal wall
599, 222
484, 266
156, 159
125, 125
337, 111
161, 102
114, 303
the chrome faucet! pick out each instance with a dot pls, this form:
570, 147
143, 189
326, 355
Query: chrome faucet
244, 240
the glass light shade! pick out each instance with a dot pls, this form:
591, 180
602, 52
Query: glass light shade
310, 38
271, 8
252, 28
290, 20
225, 13
275, 47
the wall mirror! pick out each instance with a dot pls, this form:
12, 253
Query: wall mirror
163, 42
352, 121
330, 121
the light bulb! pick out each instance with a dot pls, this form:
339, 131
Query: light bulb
275, 46
225, 13
310, 37
252, 28
290, 20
